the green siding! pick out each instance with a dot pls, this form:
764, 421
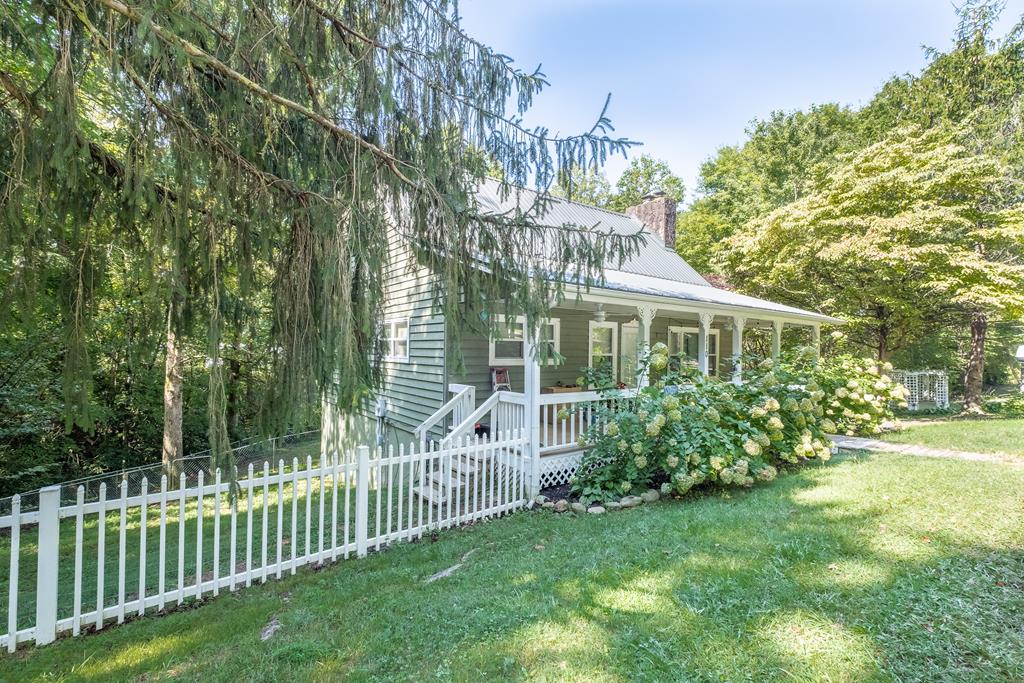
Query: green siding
414, 389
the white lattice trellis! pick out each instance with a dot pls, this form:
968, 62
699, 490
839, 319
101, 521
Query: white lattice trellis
924, 386
558, 469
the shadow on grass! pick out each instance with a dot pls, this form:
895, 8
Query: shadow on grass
873, 568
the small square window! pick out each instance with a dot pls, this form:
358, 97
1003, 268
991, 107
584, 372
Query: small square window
396, 340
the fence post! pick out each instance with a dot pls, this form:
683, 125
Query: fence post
362, 498
46, 569
531, 411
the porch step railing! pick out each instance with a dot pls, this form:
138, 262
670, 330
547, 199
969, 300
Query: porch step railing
503, 411
453, 412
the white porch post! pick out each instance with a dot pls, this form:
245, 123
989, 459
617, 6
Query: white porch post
702, 341
645, 315
816, 339
531, 390
738, 323
777, 338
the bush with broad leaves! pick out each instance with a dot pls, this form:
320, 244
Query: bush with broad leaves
682, 429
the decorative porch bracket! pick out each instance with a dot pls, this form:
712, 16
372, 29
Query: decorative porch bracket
645, 314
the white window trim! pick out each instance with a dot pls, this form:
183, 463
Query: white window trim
389, 336
614, 327
717, 341
556, 333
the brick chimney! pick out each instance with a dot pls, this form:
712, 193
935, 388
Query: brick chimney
658, 212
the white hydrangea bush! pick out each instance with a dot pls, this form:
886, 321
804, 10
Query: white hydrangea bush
684, 430
861, 395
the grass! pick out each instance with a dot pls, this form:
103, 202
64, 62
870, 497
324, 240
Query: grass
994, 435
879, 567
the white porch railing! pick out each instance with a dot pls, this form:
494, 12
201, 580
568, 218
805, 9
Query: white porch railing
560, 453
561, 434
557, 435
557, 454
457, 408
81, 566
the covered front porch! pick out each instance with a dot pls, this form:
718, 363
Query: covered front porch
504, 385
598, 329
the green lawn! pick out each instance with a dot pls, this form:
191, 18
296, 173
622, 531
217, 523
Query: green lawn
878, 567
984, 436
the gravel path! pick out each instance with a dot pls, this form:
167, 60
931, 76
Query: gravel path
914, 449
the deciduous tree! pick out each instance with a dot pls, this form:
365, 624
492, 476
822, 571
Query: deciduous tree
906, 232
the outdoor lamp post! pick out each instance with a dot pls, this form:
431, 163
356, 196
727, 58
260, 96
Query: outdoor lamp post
1020, 359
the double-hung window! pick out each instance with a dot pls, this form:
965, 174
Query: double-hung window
396, 340
685, 342
509, 347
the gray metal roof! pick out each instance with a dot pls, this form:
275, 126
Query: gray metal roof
653, 258
655, 271
660, 287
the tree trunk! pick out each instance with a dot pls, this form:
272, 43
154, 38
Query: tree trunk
173, 399
973, 380
234, 381
885, 352
883, 333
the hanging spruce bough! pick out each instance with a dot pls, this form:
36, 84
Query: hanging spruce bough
260, 156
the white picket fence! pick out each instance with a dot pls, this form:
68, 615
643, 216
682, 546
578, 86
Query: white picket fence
170, 542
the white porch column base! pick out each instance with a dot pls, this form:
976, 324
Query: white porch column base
531, 390
777, 338
738, 323
702, 341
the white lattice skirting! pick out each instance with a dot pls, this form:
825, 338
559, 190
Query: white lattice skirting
558, 469
924, 386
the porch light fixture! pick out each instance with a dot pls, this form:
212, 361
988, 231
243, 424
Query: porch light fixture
599, 314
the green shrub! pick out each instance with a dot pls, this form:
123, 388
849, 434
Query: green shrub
860, 396
685, 429
1009, 405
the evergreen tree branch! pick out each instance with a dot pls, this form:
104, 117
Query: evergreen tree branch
342, 28
112, 166
199, 55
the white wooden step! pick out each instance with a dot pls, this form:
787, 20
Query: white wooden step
431, 494
466, 466
442, 478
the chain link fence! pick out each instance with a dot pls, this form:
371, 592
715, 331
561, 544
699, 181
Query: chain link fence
254, 451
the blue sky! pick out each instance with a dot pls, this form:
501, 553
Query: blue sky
686, 77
